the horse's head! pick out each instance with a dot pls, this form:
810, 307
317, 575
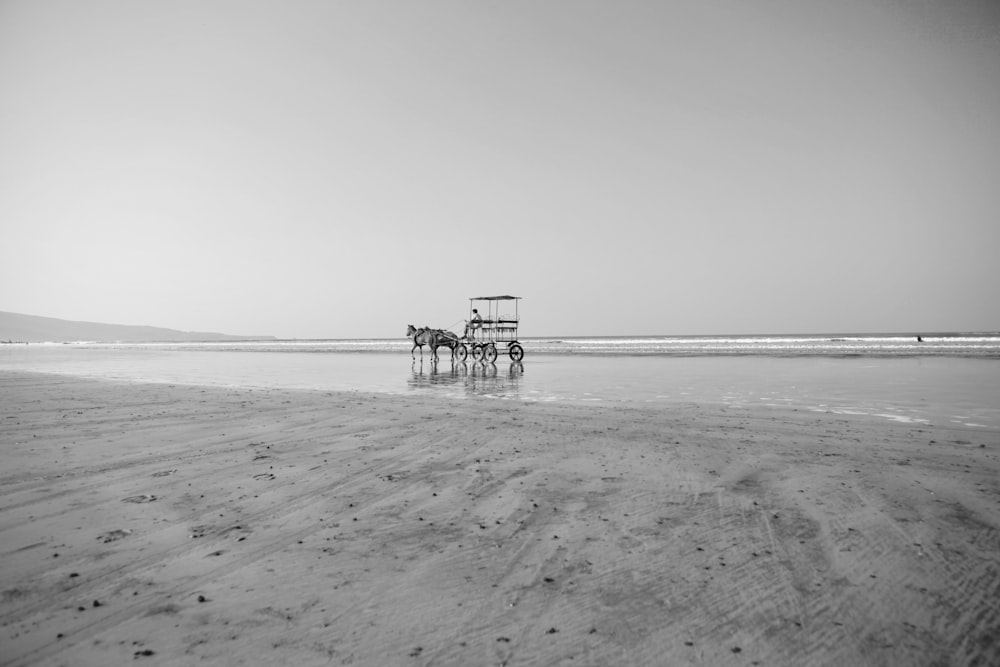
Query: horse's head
410, 330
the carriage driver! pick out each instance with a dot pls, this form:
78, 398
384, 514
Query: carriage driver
476, 323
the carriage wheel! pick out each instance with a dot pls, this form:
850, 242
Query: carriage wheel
516, 352
461, 352
491, 353
477, 352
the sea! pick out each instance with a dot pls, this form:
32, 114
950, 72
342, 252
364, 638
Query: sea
942, 379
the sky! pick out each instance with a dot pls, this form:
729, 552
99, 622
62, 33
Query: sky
339, 169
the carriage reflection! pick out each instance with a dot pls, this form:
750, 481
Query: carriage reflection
477, 379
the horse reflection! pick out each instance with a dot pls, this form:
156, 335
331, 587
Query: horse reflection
434, 375
478, 379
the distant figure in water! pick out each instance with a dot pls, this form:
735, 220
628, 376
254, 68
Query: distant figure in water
919, 339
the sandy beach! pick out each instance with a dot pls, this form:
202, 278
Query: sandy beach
171, 524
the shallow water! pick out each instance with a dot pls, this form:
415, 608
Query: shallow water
960, 392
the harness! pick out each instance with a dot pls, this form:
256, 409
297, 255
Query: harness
439, 335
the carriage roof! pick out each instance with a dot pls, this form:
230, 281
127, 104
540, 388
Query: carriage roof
503, 297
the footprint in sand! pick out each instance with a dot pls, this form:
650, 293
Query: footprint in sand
240, 531
112, 535
144, 498
199, 531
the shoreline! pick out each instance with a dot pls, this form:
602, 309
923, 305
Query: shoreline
934, 390
177, 523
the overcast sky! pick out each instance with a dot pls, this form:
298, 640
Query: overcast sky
340, 169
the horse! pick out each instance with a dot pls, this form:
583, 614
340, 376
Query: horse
421, 337
432, 338
449, 340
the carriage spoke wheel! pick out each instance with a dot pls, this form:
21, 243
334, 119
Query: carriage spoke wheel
516, 352
477, 352
490, 353
461, 352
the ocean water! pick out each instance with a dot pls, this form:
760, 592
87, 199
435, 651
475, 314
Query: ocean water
834, 345
950, 380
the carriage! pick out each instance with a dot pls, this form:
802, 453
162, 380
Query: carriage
491, 328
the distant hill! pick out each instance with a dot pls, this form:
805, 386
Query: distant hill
19, 328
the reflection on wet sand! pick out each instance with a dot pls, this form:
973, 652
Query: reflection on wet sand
479, 378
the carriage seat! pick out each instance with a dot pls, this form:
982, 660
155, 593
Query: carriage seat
504, 326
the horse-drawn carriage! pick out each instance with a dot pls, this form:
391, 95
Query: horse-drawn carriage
483, 332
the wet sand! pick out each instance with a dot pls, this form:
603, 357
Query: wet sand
170, 524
